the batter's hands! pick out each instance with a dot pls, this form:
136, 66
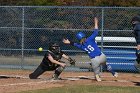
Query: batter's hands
96, 22
66, 41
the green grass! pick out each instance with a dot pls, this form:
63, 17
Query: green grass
87, 89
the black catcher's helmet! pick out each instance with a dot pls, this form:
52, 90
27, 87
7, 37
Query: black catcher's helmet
54, 47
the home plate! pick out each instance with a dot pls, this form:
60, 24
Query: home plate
71, 79
82, 77
108, 81
122, 81
137, 76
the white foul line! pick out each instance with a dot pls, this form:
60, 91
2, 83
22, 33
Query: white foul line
28, 83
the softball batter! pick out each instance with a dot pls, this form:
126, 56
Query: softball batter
90, 46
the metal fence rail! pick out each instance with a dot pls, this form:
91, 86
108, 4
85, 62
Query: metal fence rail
23, 29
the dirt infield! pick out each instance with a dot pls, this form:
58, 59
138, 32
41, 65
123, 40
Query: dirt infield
17, 80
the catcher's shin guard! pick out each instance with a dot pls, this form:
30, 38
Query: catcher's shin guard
138, 56
57, 72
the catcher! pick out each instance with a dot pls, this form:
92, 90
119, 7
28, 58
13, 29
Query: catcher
52, 61
136, 30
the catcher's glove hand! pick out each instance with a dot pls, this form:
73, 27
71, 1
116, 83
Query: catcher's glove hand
72, 61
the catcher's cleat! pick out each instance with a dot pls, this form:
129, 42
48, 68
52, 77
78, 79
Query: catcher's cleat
115, 74
55, 77
97, 77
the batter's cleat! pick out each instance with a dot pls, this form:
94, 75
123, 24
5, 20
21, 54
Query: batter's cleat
115, 74
97, 77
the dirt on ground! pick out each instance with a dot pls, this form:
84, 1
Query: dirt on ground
17, 80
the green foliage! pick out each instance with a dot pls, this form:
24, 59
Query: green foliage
72, 2
36, 2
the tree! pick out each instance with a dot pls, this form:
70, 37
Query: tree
72, 2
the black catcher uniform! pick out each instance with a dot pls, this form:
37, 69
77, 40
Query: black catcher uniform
136, 29
47, 65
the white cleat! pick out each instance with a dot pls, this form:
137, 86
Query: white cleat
116, 74
97, 77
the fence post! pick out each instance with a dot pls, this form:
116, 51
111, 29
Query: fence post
102, 33
102, 29
22, 47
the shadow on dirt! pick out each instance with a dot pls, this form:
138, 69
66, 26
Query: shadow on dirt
137, 83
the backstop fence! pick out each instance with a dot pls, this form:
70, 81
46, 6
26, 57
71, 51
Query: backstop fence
23, 29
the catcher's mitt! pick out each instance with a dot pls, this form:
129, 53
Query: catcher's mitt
72, 61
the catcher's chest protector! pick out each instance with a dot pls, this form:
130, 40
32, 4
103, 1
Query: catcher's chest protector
56, 56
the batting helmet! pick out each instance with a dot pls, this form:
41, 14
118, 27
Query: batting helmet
80, 35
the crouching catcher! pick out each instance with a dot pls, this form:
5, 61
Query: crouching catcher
52, 61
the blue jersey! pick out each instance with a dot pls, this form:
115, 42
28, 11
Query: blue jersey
90, 45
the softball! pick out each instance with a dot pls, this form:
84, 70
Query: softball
40, 49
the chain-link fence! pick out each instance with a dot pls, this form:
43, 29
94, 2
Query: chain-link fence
24, 29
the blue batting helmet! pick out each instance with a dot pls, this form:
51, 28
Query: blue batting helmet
80, 35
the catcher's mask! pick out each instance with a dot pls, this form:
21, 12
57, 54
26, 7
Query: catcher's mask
54, 47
